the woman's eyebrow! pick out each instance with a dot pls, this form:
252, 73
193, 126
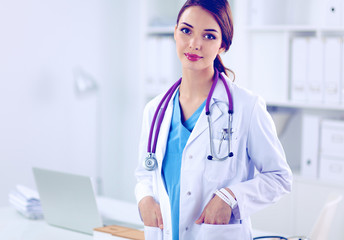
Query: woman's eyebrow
189, 25
207, 30
210, 30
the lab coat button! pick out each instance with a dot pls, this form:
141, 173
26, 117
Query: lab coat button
188, 193
190, 156
186, 228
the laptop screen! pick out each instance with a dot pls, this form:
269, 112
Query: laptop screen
68, 200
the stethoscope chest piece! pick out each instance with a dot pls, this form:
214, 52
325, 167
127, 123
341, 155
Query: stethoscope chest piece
150, 162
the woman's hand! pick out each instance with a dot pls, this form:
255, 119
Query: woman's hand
150, 212
216, 212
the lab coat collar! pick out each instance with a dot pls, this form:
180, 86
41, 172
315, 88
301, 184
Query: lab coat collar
219, 95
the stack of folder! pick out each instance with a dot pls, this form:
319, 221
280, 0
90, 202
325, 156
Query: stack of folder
317, 68
117, 232
26, 201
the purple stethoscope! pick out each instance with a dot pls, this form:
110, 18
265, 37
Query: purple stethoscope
151, 163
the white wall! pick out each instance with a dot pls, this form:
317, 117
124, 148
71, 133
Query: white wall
123, 114
43, 120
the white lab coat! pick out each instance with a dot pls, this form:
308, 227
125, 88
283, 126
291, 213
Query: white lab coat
255, 146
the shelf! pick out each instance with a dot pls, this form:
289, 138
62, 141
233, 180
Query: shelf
169, 30
305, 105
282, 28
160, 30
294, 28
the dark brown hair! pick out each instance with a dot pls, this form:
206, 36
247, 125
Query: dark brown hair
222, 13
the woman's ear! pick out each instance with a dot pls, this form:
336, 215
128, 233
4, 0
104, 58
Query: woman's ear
175, 32
221, 50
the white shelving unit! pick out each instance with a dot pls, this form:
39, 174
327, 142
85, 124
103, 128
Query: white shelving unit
270, 60
270, 63
270, 75
159, 63
271, 26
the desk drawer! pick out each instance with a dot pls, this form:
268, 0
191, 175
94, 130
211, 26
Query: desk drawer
332, 169
332, 139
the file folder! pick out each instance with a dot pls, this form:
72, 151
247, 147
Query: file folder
332, 68
299, 69
315, 70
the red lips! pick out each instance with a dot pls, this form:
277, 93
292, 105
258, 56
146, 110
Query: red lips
192, 57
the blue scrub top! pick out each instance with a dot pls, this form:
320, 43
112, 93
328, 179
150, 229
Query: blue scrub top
180, 131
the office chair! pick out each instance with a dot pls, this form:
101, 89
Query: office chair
322, 225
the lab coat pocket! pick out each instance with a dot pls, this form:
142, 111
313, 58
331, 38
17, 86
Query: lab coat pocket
219, 171
227, 231
152, 233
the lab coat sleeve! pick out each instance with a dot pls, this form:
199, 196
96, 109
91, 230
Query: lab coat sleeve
143, 186
274, 177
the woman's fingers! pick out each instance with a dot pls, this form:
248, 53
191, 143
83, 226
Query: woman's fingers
216, 212
200, 219
150, 212
159, 217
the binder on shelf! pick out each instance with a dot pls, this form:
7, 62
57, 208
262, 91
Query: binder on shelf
115, 232
152, 63
315, 74
160, 66
310, 146
299, 69
332, 68
166, 57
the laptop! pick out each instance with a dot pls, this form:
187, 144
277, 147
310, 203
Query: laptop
68, 201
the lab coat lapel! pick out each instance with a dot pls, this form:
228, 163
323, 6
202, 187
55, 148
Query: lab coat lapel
215, 112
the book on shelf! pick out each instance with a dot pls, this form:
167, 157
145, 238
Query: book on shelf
299, 69
315, 78
113, 232
332, 65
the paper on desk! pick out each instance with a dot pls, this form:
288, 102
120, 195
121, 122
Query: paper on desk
26, 201
28, 193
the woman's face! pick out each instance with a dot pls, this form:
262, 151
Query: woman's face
198, 39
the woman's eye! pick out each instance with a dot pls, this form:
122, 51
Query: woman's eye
209, 36
185, 30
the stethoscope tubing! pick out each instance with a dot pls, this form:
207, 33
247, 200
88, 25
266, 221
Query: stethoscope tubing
166, 99
271, 237
169, 95
212, 89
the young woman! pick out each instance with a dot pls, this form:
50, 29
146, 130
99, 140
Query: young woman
198, 180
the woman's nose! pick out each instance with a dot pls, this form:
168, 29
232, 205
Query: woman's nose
195, 43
